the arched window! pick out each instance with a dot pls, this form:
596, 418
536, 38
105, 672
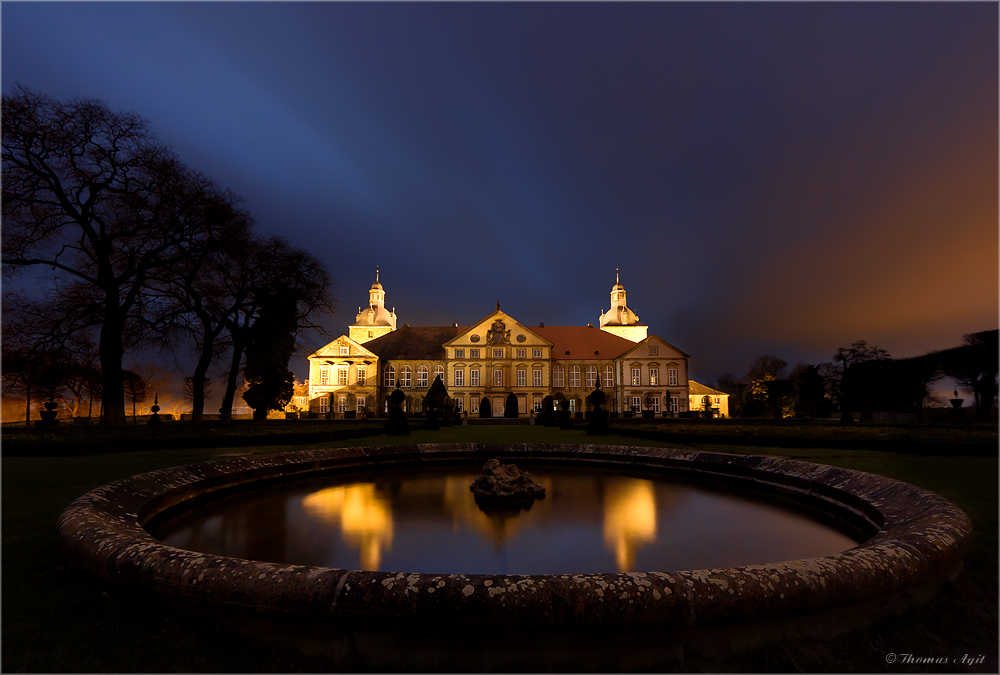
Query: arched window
574, 376
404, 377
609, 376
558, 377
421, 376
390, 376
591, 376
439, 370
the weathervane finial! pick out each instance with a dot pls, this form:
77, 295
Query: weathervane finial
376, 274
498, 304
616, 276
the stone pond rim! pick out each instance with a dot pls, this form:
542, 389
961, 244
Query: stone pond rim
918, 539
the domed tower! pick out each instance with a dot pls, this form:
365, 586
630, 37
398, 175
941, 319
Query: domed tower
375, 320
620, 320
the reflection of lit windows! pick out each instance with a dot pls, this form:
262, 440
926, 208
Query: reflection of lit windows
362, 375
536, 353
673, 404
390, 376
522, 377
536, 378
459, 402
672, 377
520, 353
474, 377
591, 376
574, 376
558, 377
473, 353
364, 516
341, 404
654, 376
404, 377
629, 518
635, 377
422, 376
361, 404
498, 378
342, 375
459, 377
498, 353
609, 376
459, 353
324, 375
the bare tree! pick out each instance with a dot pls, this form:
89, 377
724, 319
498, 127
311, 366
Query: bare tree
974, 365
135, 388
91, 195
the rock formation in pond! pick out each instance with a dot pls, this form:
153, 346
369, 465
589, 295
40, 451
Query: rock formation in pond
505, 483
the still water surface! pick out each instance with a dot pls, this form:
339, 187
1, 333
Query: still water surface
426, 520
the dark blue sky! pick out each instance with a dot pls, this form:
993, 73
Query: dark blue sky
770, 178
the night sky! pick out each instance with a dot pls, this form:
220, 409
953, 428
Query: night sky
770, 178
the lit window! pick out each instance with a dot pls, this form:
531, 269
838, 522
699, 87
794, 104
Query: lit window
390, 376
536, 378
558, 377
422, 376
521, 353
342, 375
654, 376
609, 376
522, 378
344, 351
522, 404
473, 404
474, 377
656, 404
404, 377
459, 377
574, 376
654, 350
591, 376
324, 375
361, 404
536, 353
324, 404
672, 377
459, 353
459, 403
362, 375
498, 353
716, 400
473, 353
439, 372
635, 377
341, 404
673, 404
497, 378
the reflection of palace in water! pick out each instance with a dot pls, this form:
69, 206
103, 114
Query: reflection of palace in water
366, 513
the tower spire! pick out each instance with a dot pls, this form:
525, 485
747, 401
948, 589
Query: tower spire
616, 276
376, 273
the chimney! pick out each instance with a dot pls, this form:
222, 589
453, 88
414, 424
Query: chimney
454, 325
406, 325
541, 325
590, 325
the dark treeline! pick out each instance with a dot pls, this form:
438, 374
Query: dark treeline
119, 246
863, 378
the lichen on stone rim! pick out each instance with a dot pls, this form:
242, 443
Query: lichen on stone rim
921, 539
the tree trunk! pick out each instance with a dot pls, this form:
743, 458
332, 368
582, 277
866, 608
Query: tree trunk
27, 404
234, 374
198, 381
111, 353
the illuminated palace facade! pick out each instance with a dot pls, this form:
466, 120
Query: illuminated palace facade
494, 357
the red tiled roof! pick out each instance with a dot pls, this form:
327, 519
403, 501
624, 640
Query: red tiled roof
582, 342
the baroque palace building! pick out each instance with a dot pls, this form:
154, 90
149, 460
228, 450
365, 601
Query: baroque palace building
495, 356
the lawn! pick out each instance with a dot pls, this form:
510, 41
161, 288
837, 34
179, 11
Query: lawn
56, 619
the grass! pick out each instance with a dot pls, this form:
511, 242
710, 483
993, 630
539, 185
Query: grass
56, 619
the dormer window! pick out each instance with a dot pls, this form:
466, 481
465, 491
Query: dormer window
654, 350
344, 351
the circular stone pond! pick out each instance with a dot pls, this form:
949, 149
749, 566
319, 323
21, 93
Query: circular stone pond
381, 554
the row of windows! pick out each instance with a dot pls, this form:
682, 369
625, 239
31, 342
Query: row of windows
458, 377
559, 376
655, 404
498, 353
654, 377
405, 376
324, 375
